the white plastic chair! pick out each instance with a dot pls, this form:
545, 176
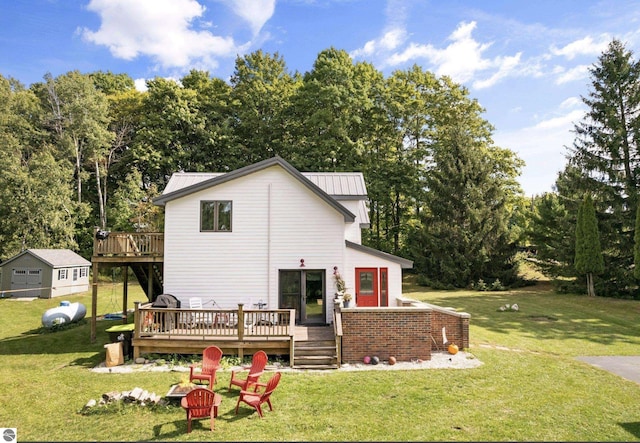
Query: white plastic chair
199, 318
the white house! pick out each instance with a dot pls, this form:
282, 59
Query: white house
44, 273
267, 235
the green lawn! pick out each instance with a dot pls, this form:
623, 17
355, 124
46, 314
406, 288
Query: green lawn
530, 386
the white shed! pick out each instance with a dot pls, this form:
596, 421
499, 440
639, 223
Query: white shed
44, 273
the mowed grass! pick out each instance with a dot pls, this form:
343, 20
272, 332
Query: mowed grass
529, 388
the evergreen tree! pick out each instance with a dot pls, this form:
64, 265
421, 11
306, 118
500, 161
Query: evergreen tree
636, 246
464, 232
604, 162
588, 259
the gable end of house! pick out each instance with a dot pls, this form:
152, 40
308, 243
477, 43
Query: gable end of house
349, 217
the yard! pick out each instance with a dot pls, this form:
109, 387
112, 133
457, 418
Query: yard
530, 386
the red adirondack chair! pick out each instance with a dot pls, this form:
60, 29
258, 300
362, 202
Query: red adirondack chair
210, 364
256, 399
201, 403
258, 363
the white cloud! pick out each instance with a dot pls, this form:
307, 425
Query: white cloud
160, 29
571, 102
562, 122
579, 72
586, 46
255, 12
389, 41
542, 147
462, 60
505, 65
141, 84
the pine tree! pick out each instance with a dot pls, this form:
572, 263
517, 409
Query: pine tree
636, 246
588, 258
604, 161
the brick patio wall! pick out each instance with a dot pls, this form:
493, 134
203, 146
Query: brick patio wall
456, 328
403, 333
409, 331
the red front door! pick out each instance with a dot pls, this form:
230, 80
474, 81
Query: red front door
367, 287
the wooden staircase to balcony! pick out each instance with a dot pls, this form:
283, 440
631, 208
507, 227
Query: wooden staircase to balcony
141, 271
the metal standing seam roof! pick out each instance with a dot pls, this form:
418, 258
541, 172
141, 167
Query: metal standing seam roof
181, 180
336, 184
55, 258
339, 185
250, 169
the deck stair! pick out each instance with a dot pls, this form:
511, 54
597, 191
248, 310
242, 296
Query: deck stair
315, 348
141, 271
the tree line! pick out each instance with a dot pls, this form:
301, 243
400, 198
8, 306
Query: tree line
84, 150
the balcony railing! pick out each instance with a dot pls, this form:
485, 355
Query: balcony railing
128, 244
236, 324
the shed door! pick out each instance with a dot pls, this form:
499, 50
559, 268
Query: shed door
27, 282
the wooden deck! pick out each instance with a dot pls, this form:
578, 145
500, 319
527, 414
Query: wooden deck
118, 247
236, 331
142, 252
187, 331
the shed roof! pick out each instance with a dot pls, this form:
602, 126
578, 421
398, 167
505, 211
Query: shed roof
56, 258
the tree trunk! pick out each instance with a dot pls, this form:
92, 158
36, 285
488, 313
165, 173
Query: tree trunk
590, 287
101, 198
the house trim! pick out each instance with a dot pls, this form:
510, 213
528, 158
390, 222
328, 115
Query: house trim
403, 262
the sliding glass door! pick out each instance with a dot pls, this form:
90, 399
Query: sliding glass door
303, 290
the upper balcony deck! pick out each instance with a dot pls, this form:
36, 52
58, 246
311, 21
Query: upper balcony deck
128, 247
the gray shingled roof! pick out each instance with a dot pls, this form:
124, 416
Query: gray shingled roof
56, 258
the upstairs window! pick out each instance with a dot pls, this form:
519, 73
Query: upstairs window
215, 216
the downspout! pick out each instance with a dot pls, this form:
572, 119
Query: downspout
269, 244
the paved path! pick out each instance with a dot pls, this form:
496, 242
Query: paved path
627, 367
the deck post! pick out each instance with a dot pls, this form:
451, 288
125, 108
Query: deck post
240, 321
136, 329
125, 292
150, 282
94, 301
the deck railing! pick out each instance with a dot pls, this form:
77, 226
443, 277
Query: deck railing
236, 324
128, 244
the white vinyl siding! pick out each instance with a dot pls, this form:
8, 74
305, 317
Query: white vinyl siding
359, 259
276, 222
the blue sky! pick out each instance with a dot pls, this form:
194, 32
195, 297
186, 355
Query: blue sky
526, 62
